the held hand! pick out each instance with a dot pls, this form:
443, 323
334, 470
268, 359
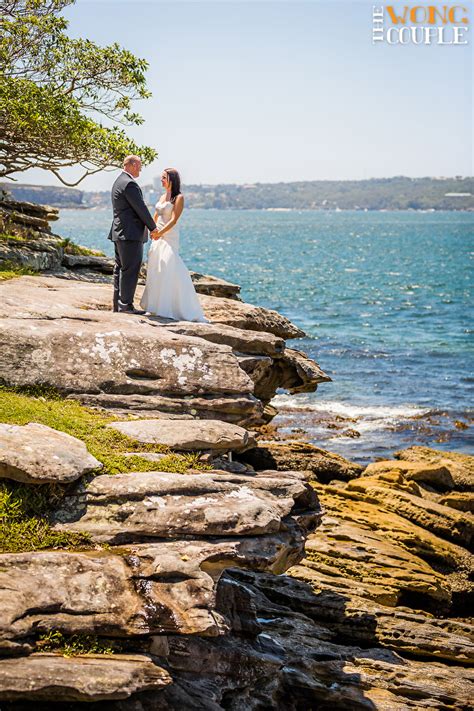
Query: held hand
154, 234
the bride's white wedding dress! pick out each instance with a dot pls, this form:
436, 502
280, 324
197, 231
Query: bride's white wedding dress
169, 291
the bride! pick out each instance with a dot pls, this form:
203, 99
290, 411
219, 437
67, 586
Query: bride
169, 291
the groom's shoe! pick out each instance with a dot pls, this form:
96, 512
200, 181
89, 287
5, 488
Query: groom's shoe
129, 309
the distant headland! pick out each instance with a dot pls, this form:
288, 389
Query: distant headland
398, 193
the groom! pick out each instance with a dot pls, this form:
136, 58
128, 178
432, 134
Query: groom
128, 233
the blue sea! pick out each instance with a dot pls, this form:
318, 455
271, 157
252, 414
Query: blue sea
384, 298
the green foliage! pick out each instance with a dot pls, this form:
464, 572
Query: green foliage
23, 519
52, 89
399, 193
55, 641
10, 270
71, 247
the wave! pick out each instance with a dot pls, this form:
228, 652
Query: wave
353, 411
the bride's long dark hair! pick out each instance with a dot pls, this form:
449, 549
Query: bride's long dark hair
175, 180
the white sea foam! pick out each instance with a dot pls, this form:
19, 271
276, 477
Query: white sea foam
363, 412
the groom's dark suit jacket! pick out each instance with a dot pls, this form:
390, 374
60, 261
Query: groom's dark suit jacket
131, 215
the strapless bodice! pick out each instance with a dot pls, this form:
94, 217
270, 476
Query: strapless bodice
165, 210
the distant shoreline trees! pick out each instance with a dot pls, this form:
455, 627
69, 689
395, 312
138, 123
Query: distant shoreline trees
399, 193
55, 93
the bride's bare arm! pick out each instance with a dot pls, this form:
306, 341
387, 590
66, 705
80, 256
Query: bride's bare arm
175, 215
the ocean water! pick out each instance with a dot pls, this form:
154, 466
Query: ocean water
384, 298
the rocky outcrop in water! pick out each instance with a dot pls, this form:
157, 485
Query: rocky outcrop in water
62, 334
279, 576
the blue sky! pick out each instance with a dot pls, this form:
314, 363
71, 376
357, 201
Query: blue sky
281, 91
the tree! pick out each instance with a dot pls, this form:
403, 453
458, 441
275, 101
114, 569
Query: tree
57, 94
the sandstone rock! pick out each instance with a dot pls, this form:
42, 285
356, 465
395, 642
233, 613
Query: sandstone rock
247, 316
238, 339
350, 505
461, 466
188, 434
451, 566
62, 333
292, 663
89, 261
360, 621
352, 559
213, 286
162, 505
36, 454
84, 678
395, 494
125, 356
293, 371
38, 254
85, 274
71, 592
148, 588
436, 475
243, 409
301, 373
462, 501
29, 208
324, 465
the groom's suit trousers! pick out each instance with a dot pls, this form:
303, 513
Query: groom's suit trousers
128, 260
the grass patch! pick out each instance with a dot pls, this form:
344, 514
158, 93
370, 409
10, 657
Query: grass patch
10, 270
47, 407
71, 247
23, 520
25, 509
72, 646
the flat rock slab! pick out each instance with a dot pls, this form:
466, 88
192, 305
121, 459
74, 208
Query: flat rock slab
214, 286
127, 507
188, 435
245, 410
324, 465
246, 316
395, 493
436, 475
36, 454
165, 587
117, 354
355, 560
238, 339
90, 678
461, 466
